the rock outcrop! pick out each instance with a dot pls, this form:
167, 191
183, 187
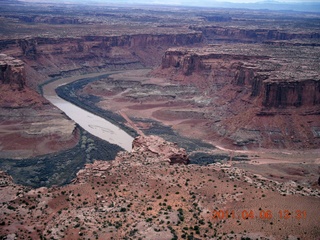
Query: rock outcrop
12, 72
152, 149
163, 149
146, 150
14, 92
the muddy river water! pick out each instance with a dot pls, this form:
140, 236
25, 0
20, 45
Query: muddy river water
92, 123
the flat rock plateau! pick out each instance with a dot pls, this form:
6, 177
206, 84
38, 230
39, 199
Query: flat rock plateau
223, 105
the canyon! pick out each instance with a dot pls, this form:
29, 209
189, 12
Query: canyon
223, 106
29, 124
252, 91
78, 48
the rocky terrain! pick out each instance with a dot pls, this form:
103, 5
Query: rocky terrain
140, 195
225, 102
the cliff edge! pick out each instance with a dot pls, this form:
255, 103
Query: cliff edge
258, 95
30, 126
14, 92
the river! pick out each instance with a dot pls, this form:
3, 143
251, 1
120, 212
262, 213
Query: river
92, 123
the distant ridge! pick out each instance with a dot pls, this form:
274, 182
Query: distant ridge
266, 5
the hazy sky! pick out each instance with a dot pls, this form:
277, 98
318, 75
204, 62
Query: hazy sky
193, 1
296, 5
252, 1
234, 1
287, 1
231, 1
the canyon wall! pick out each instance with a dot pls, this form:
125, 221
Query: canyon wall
12, 72
298, 93
30, 126
56, 57
46, 57
243, 80
252, 35
14, 92
257, 75
256, 95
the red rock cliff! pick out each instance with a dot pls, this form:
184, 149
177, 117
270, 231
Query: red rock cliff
257, 95
12, 72
298, 93
14, 92
50, 57
251, 73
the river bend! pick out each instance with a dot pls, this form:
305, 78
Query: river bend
92, 123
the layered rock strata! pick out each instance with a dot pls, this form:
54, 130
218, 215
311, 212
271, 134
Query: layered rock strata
246, 84
12, 72
254, 34
29, 124
14, 92
279, 82
58, 57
